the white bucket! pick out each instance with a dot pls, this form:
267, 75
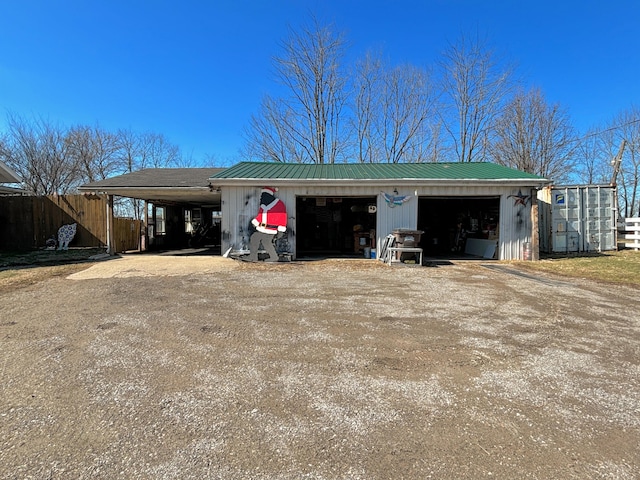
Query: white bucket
367, 252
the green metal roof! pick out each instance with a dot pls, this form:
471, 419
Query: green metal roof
373, 171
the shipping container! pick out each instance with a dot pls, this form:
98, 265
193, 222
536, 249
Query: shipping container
577, 218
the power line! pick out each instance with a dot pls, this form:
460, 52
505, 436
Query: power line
631, 122
599, 132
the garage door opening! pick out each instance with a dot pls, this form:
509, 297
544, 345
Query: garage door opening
451, 225
335, 226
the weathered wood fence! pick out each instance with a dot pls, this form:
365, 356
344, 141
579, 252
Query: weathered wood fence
127, 234
26, 222
630, 237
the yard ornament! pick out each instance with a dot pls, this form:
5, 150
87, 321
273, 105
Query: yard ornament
393, 199
65, 235
520, 198
269, 222
51, 243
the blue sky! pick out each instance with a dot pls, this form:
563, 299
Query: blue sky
195, 71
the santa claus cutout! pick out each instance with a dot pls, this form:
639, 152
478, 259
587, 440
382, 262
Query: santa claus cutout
270, 220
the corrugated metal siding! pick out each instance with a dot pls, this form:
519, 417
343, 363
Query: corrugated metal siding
461, 191
240, 204
579, 218
334, 191
515, 220
600, 219
515, 225
400, 216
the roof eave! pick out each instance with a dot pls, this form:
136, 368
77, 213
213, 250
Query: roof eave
7, 175
288, 182
159, 194
86, 188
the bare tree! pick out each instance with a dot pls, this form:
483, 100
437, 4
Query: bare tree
188, 161
389, 116
408, 105
366, 109
38, 152
392, 112
303, 125
157, 152
96, 152
5, 152
128, 154
138, 151
270, 138
147, 150
535, 137
474, 86
51, 159
594, 158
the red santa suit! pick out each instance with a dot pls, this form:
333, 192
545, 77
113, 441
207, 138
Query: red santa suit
271, 218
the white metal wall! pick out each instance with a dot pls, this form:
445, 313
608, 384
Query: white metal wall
399, 216
515, 223
515, 218
240, 205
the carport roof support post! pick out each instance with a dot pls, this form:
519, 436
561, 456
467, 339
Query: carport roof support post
110, 249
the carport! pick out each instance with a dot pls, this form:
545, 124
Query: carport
181, 208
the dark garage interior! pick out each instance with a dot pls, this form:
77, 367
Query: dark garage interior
448, 221
339, 226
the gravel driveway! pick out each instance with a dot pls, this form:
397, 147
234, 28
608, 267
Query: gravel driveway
192, 367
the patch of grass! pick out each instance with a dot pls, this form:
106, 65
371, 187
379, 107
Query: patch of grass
47, 257
21, 269
621, 267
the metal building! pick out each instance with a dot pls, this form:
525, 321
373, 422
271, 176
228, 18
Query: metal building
342, 208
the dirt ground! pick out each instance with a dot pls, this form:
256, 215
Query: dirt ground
192, 367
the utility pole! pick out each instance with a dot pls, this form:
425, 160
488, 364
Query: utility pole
616, 162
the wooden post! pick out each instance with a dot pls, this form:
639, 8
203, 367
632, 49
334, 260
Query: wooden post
144, 230
535, 227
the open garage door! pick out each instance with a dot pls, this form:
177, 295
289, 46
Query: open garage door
450, 222
335, 226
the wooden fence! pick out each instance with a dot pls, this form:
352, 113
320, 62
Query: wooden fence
26, 222
630, 237
127, 234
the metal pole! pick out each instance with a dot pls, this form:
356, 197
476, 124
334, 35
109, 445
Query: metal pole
110, 249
